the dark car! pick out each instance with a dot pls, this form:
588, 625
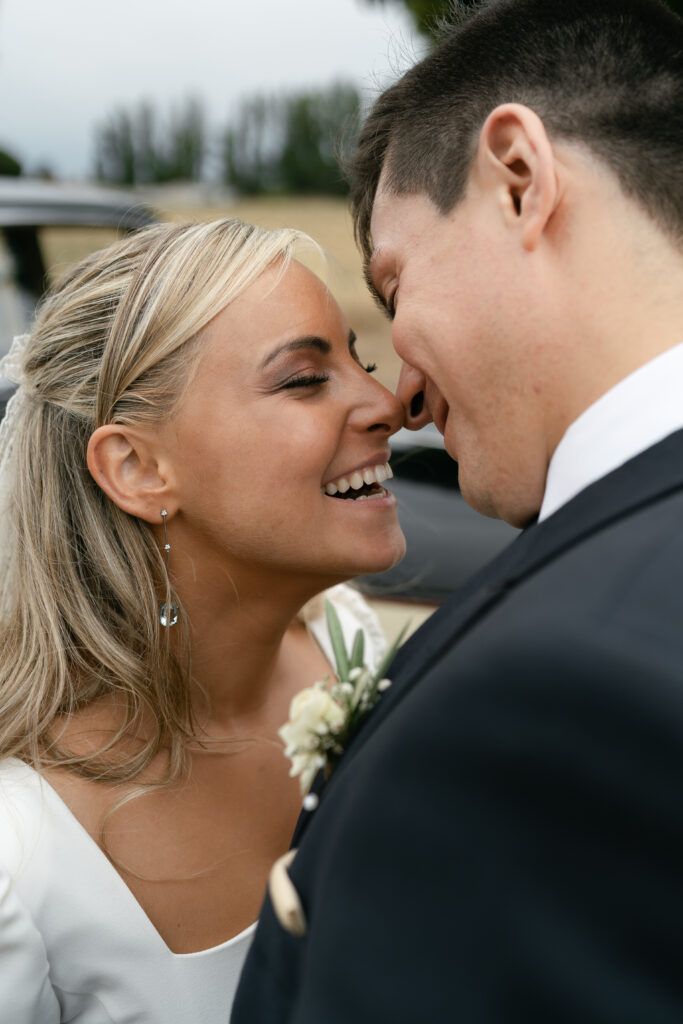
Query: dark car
28, 211
32, 214
447, 541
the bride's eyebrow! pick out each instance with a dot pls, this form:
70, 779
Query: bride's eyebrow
310, 341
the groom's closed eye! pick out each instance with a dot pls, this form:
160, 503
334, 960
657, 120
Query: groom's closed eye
387, 306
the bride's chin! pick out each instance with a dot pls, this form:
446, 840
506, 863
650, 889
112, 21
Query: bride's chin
382, 561
360, 554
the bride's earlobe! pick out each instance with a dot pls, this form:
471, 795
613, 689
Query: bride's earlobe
124, 463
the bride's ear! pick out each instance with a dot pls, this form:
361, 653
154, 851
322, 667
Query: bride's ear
129, 468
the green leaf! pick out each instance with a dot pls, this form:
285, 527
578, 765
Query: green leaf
358, 649
338, 645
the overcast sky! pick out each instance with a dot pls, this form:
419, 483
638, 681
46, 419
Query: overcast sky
64, 64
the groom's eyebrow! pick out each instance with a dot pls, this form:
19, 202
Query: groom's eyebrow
309, 341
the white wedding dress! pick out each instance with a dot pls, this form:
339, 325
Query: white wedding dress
75, 945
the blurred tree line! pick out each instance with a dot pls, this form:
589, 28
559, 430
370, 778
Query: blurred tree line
136, 146
289, 144
283, 143
273, 144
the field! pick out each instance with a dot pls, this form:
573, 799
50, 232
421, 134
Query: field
327, 220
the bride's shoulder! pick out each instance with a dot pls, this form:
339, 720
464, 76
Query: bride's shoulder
354, 613
21, 811
27, 872
19, 783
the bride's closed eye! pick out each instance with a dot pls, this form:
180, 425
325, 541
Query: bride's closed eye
312, 379
305, 381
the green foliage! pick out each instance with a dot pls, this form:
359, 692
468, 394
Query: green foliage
250, 147
273, 144
287, 144
136, 147
338, 644
8, 165
115, 158
186, 146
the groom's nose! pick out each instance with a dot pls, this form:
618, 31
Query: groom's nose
411, 394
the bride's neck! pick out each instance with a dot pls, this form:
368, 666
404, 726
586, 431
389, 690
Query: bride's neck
245, 645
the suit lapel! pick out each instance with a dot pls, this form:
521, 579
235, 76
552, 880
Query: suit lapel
644, 479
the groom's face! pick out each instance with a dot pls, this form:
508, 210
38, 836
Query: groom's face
466, 335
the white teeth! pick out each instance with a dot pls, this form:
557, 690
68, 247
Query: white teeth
372, 475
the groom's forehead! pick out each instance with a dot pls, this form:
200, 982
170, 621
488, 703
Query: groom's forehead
402, 222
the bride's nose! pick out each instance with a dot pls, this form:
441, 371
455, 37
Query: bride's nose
380, 411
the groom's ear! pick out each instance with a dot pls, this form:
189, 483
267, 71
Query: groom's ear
516, 164
132, 470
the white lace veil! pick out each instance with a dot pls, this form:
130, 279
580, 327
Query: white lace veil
12, 369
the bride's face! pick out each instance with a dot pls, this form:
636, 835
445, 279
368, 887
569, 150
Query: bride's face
281, 406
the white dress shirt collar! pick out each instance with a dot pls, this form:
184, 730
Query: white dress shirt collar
636, 413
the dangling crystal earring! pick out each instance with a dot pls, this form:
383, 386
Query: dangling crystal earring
170, 618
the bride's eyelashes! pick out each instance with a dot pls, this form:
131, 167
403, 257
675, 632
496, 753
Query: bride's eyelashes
306, 381
313, 379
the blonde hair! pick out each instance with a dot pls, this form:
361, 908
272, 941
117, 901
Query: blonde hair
111, 344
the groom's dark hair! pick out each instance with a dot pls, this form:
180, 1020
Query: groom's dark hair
604, 73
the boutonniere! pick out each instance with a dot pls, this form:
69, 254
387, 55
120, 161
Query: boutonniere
323, 718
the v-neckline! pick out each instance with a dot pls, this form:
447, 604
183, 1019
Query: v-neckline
314, 620
104, 865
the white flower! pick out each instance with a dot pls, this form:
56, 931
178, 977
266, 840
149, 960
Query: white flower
321, 722
312, 713
306, 766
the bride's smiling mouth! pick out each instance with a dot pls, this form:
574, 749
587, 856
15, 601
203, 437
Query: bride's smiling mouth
362, 484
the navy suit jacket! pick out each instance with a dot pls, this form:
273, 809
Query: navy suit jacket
503, 840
